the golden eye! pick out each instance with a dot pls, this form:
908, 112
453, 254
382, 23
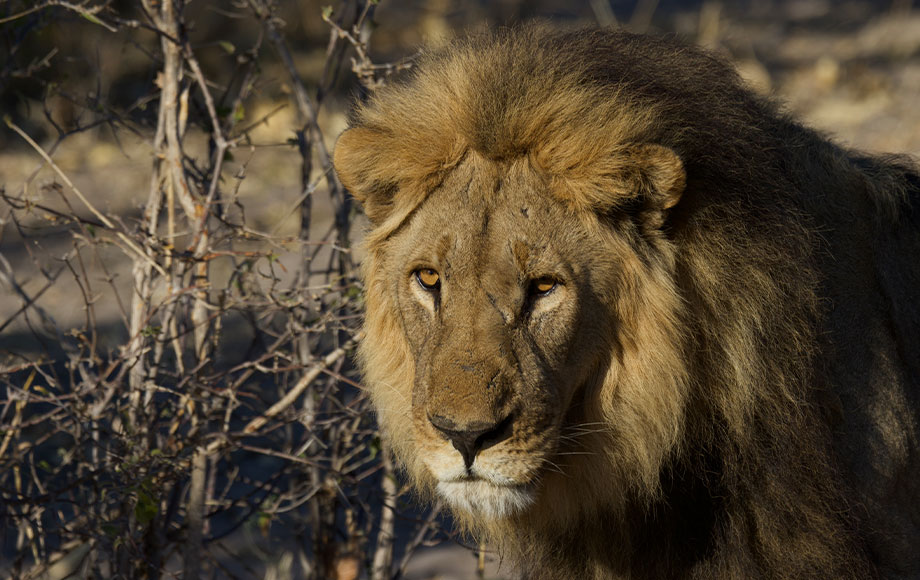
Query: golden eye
543, 286
428, 278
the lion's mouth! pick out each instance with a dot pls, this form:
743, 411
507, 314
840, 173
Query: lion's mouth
483, 497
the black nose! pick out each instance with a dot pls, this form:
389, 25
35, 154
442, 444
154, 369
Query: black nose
473, 437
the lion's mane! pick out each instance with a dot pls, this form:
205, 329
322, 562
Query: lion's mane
773, 359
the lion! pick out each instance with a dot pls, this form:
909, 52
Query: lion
630, 320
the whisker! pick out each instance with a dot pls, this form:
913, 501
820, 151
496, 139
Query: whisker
394, 389
553, 466
582, 429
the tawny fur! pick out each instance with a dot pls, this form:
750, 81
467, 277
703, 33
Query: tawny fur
738, 392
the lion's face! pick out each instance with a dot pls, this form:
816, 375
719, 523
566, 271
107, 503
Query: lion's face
499, 291
522, 317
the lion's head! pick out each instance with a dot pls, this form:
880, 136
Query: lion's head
497, 273
591, 300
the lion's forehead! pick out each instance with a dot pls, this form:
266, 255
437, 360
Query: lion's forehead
495, 223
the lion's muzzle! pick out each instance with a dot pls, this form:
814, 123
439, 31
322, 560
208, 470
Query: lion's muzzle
471, 438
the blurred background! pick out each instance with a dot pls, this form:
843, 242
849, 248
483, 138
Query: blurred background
179, 301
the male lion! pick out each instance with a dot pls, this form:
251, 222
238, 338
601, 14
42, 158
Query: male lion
632, 321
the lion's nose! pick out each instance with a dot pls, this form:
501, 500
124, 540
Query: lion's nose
473, 437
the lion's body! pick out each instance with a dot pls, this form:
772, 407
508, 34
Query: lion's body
632, 322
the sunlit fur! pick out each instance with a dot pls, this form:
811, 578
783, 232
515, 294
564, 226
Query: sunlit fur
756, 416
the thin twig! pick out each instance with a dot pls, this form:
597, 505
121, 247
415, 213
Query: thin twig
108, 223
88, 13
302, 385
105, 221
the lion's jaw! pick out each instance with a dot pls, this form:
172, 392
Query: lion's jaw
483, 490
481, 497
499, 484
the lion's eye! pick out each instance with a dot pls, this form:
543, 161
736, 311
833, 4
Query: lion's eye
542, 286
428, 279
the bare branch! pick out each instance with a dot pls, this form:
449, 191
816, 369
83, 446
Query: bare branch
302, 385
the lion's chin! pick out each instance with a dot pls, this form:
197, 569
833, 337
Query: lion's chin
484, 499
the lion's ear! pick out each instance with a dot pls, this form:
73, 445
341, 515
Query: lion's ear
644, 178
363, 163
657, 174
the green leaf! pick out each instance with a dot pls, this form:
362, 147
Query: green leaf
227, 46
151, 331
353, 293
92, 18
327, 12
91, 230
146, 508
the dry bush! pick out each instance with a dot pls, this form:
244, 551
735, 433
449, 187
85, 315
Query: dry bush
212, 425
